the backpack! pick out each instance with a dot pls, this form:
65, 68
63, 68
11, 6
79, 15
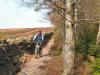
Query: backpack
39, 38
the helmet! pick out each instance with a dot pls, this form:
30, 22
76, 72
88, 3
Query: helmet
39, 31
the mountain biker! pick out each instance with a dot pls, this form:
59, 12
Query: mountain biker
39, 37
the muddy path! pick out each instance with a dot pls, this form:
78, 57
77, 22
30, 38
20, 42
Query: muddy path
37, 66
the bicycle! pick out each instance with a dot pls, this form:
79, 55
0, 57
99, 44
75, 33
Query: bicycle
38, 49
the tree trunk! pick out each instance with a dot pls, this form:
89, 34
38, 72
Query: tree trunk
36, 1
76, 26
69, 45
98, 36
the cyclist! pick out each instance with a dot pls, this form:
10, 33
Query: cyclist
39, 37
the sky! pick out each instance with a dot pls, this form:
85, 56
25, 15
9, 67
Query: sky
15, 15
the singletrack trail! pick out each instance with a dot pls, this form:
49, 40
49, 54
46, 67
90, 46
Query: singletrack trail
37, 66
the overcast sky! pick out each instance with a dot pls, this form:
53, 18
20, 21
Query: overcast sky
13, 15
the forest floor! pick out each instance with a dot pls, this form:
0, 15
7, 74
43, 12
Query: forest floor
37, 66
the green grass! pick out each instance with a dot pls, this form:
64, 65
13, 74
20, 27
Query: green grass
13, 36
1, 35
59, 53
95, 66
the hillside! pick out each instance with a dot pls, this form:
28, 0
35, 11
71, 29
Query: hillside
21, 32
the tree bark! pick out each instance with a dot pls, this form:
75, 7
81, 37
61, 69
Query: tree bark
76, 26
98, 36
69, 45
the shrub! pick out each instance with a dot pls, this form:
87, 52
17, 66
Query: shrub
94, 50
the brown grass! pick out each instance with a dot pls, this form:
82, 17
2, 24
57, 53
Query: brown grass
80, 68
54, 66
58, 44
22, 32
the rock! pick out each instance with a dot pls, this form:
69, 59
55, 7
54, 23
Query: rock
91, 59
23, 58
11, 41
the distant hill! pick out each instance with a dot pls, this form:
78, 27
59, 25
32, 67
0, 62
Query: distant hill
21, 32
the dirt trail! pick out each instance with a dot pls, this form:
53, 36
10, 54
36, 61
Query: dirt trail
37, 66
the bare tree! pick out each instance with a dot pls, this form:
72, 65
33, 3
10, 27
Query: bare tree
69, 39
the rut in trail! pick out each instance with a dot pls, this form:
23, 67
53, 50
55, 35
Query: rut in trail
37, 66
